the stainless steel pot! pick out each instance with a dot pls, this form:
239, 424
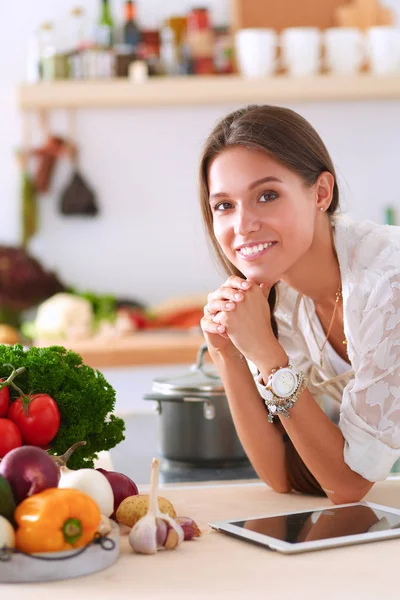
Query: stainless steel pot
196, 425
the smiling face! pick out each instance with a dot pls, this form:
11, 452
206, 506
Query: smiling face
263, 214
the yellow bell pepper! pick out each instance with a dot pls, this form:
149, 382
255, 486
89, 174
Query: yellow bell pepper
56, 520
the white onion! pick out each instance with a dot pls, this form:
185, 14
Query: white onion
7, 535
90, 482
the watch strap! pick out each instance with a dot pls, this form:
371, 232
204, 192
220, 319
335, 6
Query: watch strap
277, 405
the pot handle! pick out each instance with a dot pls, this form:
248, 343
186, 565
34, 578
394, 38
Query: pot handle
208, 406
199, 366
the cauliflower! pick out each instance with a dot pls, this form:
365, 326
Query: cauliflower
64, 316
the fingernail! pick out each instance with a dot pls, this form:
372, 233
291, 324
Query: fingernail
245, 285
221, 329
230, 305
238, 296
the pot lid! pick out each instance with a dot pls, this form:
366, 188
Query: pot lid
199, 379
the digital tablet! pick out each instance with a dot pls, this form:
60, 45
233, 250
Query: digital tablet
327, 527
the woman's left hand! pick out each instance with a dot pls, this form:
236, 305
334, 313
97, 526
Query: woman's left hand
248, 325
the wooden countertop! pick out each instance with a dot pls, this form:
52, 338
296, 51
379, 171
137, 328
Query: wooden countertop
147, 348
217, 566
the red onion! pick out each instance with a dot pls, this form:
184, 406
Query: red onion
122, 487
29, 470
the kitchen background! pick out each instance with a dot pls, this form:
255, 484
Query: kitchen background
147, 242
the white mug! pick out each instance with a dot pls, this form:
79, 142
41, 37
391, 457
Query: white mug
256, 51
301, 50
345, 49
383, 45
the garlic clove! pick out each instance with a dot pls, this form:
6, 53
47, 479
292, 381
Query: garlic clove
162, 532
143, 536
105, 526
172, 540
175, 533
190, 528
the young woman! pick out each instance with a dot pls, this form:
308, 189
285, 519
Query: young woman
312, 300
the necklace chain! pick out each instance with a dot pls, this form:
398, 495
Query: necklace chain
321, 348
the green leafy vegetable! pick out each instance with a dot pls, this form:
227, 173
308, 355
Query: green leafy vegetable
84, 398
104, 306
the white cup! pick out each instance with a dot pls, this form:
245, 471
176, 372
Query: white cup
345, 49
301, 50
256, 51
383, 45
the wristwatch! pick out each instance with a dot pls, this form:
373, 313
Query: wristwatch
282, 389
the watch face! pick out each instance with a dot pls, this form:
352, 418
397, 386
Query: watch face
284, 383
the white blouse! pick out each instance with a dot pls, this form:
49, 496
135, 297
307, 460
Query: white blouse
368, 390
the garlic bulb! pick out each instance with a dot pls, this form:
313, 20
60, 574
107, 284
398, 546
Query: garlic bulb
156, 530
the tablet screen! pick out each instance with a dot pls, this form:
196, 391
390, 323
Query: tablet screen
323, 524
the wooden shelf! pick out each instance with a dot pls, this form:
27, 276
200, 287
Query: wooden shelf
229, 89
156, 348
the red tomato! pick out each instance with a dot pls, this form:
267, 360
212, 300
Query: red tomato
10, 437
40, 422
4, 400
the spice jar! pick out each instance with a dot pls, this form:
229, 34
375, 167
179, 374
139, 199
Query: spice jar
200, 40
124, 57
149, 50
223, 51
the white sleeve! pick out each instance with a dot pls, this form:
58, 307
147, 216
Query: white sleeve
298, 355
370, 409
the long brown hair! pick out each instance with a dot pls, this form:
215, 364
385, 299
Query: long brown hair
283, 135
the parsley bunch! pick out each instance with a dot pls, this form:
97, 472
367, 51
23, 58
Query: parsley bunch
84, 398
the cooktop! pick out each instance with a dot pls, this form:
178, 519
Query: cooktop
133, 457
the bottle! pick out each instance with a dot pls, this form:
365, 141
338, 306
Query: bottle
223, 51
33, 59
200, 39
168, 52
78, 42
78, 29
105, 28
131, 32
47, 52
178, 25
390, 216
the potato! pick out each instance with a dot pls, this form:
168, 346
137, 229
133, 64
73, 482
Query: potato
134, 508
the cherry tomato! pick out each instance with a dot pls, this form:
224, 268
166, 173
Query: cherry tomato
4, 400
40, 422
10, 437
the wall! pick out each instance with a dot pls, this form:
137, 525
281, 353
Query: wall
148, 241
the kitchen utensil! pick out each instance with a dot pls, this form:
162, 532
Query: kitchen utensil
301, 50
363, 14
196, 425
279, 14
383, 47
77, 198
345, 50
256, 51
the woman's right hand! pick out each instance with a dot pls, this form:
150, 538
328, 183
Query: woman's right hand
224, 298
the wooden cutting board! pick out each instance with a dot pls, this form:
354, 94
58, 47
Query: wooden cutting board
364, 14
279, 14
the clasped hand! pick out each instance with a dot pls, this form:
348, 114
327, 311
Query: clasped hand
238, 314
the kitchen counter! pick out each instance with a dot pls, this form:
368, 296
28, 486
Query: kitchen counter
218, 566
141, 348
